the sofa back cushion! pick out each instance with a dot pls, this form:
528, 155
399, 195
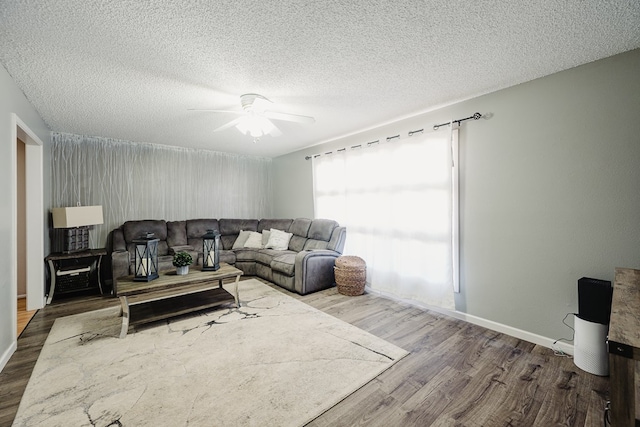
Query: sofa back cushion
319, 234
176, 233
196, 228
230, 228
278, 224
321, 229
134, 229
299, 228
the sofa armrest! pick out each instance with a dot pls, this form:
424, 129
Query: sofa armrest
338, 238
118, 242
314, 270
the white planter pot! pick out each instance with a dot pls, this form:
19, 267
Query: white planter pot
181, 271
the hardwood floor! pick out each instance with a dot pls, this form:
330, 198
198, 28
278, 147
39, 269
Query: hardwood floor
24, 316
457, 374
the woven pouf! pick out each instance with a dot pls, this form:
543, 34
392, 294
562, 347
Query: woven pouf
351, 275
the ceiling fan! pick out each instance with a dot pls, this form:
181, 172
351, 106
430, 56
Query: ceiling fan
255, 118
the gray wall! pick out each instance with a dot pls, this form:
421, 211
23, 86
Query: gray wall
14, 101
549, 190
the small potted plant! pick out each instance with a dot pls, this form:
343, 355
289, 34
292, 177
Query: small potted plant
182, 261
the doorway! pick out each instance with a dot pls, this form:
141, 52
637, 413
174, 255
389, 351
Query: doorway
24, 315
27, 237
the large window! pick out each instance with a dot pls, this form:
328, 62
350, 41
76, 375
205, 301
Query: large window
396, 200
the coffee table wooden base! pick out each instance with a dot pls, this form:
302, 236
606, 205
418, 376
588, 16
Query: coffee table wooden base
170, 296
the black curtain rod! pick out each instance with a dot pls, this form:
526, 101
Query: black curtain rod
475, 116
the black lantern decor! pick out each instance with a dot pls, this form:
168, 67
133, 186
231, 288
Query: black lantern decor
211, 251
146, 258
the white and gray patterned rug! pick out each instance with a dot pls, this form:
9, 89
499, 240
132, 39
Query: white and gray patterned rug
274, 362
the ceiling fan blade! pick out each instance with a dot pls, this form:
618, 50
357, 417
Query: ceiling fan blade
216, 111
275, 131
289, 117
228, 125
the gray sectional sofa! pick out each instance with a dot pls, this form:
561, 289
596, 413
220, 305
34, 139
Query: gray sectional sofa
305, 266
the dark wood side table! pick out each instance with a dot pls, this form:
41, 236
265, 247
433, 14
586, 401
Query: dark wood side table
74, 271
624, 347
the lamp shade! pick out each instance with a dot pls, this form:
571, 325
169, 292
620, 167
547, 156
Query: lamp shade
77, 216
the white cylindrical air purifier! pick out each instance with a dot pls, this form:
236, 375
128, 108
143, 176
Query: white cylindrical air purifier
590, 346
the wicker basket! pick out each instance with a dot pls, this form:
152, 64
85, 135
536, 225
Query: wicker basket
351, 274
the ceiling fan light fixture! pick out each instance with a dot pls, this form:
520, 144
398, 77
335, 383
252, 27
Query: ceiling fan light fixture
256, 117
256, 126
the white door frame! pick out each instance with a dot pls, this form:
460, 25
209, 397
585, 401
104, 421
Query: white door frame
35, 217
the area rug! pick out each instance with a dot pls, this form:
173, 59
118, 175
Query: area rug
273, 362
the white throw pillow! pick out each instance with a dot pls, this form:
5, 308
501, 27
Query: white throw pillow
254, 241
241, 239
278, 240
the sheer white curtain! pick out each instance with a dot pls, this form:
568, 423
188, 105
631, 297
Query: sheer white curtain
396, 201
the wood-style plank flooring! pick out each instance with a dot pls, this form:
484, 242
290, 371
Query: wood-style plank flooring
457, 374
24, 316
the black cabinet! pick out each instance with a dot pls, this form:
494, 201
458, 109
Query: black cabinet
74, 272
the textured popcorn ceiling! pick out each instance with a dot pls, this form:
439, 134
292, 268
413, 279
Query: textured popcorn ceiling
132, 69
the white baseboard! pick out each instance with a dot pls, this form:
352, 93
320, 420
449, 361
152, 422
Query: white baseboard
515, 332
485, 323
7, 355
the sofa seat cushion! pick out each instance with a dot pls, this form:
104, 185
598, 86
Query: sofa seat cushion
265, 256
285, 264
245, 254
228, 256
184, 248
165, 262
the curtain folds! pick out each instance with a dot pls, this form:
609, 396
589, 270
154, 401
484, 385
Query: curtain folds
396, 201
147, 181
